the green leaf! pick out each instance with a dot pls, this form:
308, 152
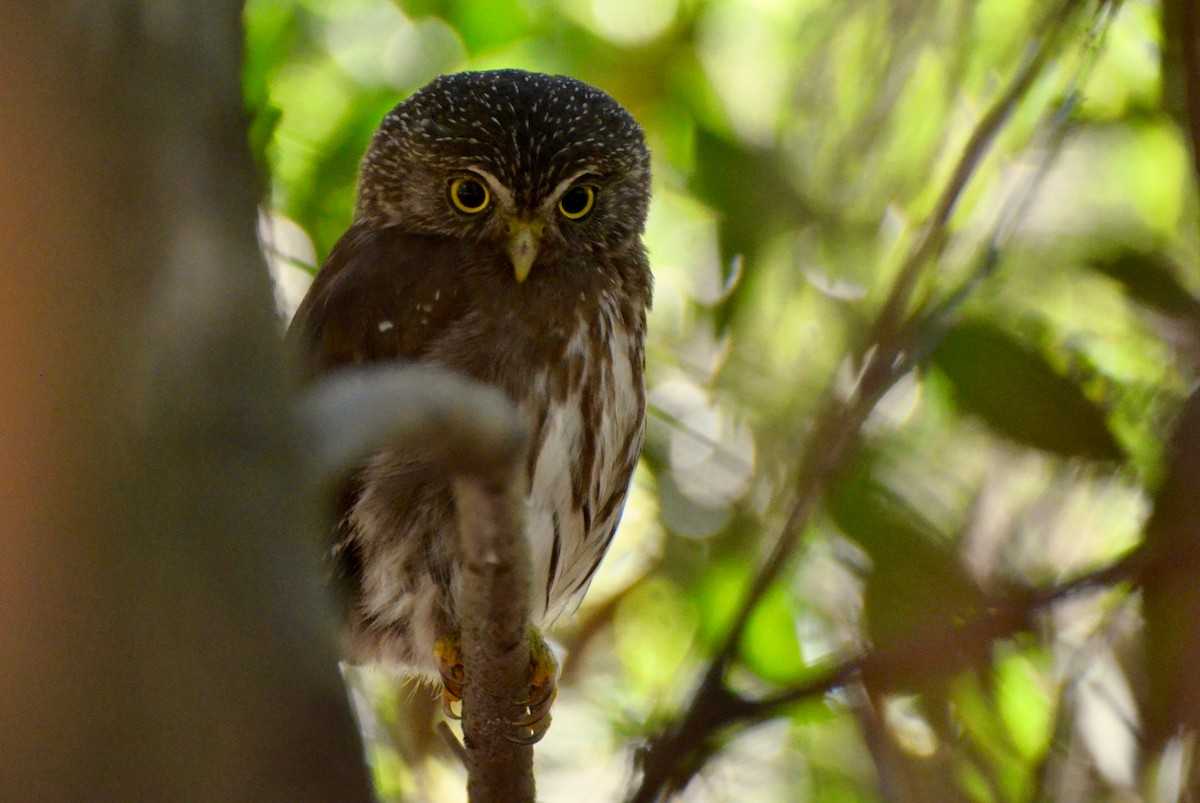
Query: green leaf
1020, 396
1152, 280
265, 120
769, 646
270, 36
976, 709
917, 583
653, 630
750, 188
486, 26
1024, 705
416, 9
717, 595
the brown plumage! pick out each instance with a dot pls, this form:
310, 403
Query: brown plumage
497, 233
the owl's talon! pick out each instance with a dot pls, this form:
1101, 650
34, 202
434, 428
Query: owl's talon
448, 701
543, 690
534, 714
448, 651
529, 734
534, 720
538, 704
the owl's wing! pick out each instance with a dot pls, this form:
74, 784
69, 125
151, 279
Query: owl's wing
381, 295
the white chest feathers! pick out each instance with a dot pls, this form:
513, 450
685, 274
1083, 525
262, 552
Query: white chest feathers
586, 444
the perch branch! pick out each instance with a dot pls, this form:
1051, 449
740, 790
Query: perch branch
480, 439
495, 633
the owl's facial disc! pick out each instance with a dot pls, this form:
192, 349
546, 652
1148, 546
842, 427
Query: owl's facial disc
524, 240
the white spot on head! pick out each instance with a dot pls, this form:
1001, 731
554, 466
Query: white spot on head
385, 326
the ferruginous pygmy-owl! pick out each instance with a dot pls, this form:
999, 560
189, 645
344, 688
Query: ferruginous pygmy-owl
497, 232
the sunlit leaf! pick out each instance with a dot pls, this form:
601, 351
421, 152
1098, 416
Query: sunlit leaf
1150, 162
1025, 705
974, 784
975, 710
422, 8
1014, 389
917, 122
717, 594
999, 27
270, 33
770, 647
323, 202
653, 627
488, 25
1126, 79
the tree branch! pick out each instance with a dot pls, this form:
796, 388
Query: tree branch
480, 439
1170, 599
495, 634
936, 651
939, 646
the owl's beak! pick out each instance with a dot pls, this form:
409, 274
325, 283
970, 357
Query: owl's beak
524, 238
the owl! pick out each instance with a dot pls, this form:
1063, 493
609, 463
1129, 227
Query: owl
496, 232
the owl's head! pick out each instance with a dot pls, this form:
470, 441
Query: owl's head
538, 166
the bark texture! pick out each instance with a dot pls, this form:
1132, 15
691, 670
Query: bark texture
164, 631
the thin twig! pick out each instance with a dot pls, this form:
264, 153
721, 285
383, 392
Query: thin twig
1001, 618
829, 446
934, 651
672, 758
933, 238
1021, 201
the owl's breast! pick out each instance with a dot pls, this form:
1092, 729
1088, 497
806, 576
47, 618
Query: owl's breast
573, 363
587, 414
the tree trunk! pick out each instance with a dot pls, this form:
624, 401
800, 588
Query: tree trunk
164, 633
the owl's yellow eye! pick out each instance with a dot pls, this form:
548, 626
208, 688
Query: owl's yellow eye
577, 202
469, 195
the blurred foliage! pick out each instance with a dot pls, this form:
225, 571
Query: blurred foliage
799, 147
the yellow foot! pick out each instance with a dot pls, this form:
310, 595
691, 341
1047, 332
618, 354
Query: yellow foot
448, 651
532, 718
